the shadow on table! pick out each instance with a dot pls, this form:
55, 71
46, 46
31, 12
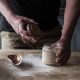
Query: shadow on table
25, 66
74, 61
5, 74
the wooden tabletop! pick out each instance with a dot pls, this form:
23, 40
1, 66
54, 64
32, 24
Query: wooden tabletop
32, 67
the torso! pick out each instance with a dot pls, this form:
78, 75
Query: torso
44, 12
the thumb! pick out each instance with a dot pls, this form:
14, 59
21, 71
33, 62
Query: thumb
23, 31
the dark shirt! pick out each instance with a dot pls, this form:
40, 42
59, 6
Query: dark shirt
44, 12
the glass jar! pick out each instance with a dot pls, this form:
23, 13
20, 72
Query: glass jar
48, 54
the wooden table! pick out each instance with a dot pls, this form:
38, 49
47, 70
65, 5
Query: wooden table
33, 69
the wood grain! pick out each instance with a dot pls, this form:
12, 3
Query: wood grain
32, 67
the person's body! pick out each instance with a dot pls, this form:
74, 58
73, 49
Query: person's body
44, 13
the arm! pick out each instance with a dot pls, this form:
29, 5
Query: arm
17, 22
6, 10
71, 16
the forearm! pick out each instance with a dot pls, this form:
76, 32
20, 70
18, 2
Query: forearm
71, 16
6, 9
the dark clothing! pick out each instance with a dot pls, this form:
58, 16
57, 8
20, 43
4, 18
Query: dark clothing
44, 12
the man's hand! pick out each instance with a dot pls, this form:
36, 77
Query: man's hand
19, 24
63, 51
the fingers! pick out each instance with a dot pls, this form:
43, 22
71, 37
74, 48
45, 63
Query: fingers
26, 33
62, 54
23, 31
32, 21
28, 20
60, 50
25, 20
63, 58
66, 58
63, 51
60, 58
28, 39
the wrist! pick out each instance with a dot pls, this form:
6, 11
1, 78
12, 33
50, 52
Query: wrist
65, 40
68, 39
64, 43
11, 18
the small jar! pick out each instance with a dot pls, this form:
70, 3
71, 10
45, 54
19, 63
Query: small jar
48, 55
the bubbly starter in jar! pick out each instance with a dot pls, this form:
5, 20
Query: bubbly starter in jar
48, 55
